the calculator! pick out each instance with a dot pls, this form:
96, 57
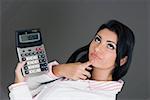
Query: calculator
30, 48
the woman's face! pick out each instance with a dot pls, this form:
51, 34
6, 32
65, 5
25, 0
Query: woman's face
102, 49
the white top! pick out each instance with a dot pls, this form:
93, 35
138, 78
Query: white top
64, 89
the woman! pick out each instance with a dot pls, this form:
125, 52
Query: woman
97, 69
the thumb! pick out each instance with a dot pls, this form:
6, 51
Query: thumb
86, 64
18, 75
20, 65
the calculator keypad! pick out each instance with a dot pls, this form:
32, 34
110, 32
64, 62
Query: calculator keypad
36, 60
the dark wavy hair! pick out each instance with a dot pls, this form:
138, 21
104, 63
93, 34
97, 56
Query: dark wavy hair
125, 45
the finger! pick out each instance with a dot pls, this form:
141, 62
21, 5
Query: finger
23, 62
74, 78
88, 68
83, 77
87, 74
86, 64
91, 62
20, 65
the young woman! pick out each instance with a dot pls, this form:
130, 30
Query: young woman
93, 71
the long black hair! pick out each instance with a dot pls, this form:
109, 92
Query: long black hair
125, 45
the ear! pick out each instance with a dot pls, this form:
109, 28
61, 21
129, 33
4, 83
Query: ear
123, 60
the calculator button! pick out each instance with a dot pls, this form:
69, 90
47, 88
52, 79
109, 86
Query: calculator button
36, 61
44, 69
29, 58
26, 54
41, 56
39, 49
45, 64
33, 53
30, 62
31, 66
29, 54
42, 60
35, 57
41, 52
26, 72
23, 59
32, 71
37, 70
42, 66
37, 66
36, 49
25, 67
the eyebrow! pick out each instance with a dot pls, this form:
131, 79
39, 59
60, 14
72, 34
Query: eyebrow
107, 40
112, 42
99, 36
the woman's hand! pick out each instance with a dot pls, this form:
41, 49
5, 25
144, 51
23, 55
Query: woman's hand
18, 75
73, 71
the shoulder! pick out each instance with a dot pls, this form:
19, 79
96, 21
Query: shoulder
109, 86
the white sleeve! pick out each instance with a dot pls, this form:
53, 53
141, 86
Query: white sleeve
20, 91
34, 83
37, 80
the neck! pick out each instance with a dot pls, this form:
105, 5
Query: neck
101, 74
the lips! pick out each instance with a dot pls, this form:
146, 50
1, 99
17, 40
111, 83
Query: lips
95, 56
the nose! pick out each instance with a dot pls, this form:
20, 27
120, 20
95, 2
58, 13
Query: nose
100, 48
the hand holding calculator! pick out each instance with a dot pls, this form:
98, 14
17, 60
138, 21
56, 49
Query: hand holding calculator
30, 48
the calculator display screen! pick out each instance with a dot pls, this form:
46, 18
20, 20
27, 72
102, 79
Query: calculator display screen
32, 37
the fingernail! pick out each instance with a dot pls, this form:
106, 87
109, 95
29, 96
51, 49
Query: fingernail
90, 68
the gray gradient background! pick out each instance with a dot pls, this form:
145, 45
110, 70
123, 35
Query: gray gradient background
69, 24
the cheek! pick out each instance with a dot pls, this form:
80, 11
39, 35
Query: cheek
90, 48
110, 59
107, 62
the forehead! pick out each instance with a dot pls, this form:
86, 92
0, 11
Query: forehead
108, 35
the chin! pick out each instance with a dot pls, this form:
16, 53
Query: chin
95, 63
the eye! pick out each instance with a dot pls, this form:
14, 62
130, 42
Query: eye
110, 46
97, 39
